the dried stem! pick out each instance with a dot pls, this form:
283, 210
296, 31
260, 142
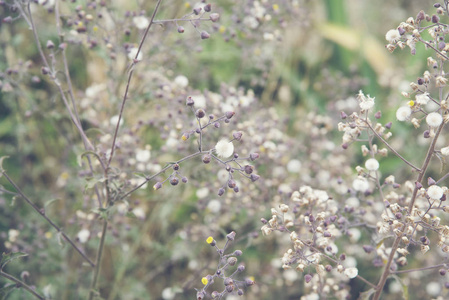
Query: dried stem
20, 283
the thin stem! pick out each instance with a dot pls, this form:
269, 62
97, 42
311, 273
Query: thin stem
420, 269
98, 260
391, 148
386, 272
21, 284
42, 214
182, 19
125, 96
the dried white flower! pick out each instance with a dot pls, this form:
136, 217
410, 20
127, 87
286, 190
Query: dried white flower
422, 99
372, 164
294, 166
143, 155
403, 113
434, 119
360, 184
83, 235
435, 192
351, 272
445, 151
141, 22
182, 82
392, 36
224, 148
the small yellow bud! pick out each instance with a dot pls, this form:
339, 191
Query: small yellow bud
204, 280
411, 103
275, 7
210, 240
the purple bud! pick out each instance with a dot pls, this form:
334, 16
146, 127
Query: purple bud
62, 46
50, 44
328, 268
249, 282
236, 189
215, 294
401, 30
418, 185
308, 278
342, 256
420, 81
184, 179
437, 5
200, 295
431, 181
206, 158
263, 220
426, 134
45, 70
197, 10
421, 16
229, 288
205, 35
388, 125
228, 281
441, 45
240, 268
253, 156
176, 167
217, 125
238, 252
221, 191
345, 146
214, 17
254, 177
343, 115
208, 7
174, 181
189, 101
443, 272
398, 216
180, 29
435, 19
248, 169
368, 248
231, 236
327, 234
200, 113
378, 115
157, 186
229, 114
237, 135
240, 292
231, 183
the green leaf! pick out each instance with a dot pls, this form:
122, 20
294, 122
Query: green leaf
50, 202
131, 215
366, 295
403, 285
7, 257
92, 181
103, 212
1, 163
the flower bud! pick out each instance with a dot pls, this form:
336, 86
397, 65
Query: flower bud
240, 292
208, 7
238, 252
435, 19
232, 261
248, 169
229, 114
231, 236
236, 189
231, 183
253, 156
180, 29
241, 268
184, 179
205, 35
174, 181
308, 278
237, 135
343, 115
189, 101
214, 17
254, 177
206, 159
200, 113
50, 44
378, 115
157, 186
197, 10
221, 191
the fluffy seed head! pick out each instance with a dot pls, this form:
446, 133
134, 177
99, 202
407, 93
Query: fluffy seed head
434, 119
224, 148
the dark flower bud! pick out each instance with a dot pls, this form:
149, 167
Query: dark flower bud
328, 268
368, 248
441, 45
240, 292
238, 252
237, 135
231, 183
345, 146
426, 134
248, 169
62, 46
388, 125
398, 215
7, 20
221, 191
241, 268
418, 185
249, 282
189, 101
420, 81
211, 117
396, 185
263, 220
215, 294
200, 295
180, 29
236, 155
229, 114
327, 234
443, 272
387, 203
229, 288
421, 16
232, 261
214, 17
174, 181
378, 115
50, 44
437, 5
45, 70
446, 285
308, 278
185, 136
205, 35
424, 240
231, 236
253, 156
254, 177
342, 256
184, 179
176, 167
401, 30
228, 281
208, 7
197, 10
206, 159
435, 19
431, 181
236, 189
157, 186
343, 115
200, 113
217, 125
443, 198
198, 130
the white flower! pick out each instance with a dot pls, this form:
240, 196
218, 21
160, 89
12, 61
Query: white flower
182, 81
351, 272
434, 119
214, 206
403, 113
366, 103
141, 22
360, 184
139, 213
294, 166
435, 192
422, 99
132, 54
445, 151
372, 164
433, 288
268, 36
224, 148
168, 293
202, 192
83, 235
392, 36
114, 119
143, 155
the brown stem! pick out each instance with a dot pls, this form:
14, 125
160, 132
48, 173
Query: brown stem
21, 284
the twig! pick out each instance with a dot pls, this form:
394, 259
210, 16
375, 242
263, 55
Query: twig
21, 284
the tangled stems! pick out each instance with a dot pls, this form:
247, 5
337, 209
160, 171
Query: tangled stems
394, 247
21, 284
